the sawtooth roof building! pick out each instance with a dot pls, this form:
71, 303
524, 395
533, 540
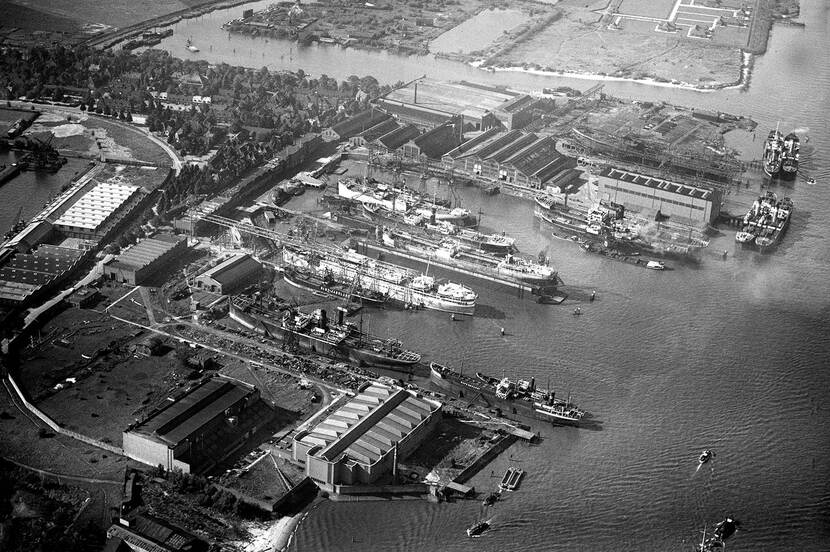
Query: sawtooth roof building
516, 157
361, 441
354, 125
98, 210
25, 277
200, 428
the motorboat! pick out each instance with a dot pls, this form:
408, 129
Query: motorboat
655, 265
705, 456
477, 529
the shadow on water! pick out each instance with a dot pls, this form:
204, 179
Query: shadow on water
488, 311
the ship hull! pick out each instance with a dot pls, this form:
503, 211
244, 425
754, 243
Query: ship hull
398, 292
518, 409
364, 357
274, 330
316, 285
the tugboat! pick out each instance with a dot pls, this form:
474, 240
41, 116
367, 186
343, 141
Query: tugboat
789, 163
726, 528
476, 529
705, 456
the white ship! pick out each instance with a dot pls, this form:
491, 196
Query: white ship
525, 270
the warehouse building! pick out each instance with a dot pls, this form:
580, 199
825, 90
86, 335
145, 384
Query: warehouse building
520, 158
354, 125
98, 210
373, 133
433, 143
199, 429
146, 260
362, 441
642, 193
427, 103
24, 277
231, 275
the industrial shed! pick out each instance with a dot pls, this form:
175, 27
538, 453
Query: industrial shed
199, 429
231, 275
361, 441
149, 257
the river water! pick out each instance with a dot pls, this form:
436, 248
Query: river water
732, 355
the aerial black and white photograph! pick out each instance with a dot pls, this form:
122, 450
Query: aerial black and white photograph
414, 275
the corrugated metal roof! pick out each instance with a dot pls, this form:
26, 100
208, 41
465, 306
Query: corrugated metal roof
182, 418
148, 250
361, 440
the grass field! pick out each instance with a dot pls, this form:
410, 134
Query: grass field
117, 13
647, 8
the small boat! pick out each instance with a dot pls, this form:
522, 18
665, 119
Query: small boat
705, 456
577, 311
492, 498
476, 529
726, 528
190, 47
655, 265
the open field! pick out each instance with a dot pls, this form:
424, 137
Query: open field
60, 16
585, 38
90, 136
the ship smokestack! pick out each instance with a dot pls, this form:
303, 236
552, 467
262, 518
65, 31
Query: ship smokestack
323, 319
340, 312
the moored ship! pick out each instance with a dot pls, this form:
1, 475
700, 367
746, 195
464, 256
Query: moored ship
774, 226
519, 397
790, 155
315, 333
304, 279
773, 152
527, 271
397, 283
766, 221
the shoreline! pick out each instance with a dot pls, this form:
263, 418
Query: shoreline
747, 61
109, 40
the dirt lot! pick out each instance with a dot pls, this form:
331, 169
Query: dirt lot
453, 446
91, 135
263, 482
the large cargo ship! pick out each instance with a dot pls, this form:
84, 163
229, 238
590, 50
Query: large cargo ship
773, 152
790, 154
400, 284
314, 332
520, 397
